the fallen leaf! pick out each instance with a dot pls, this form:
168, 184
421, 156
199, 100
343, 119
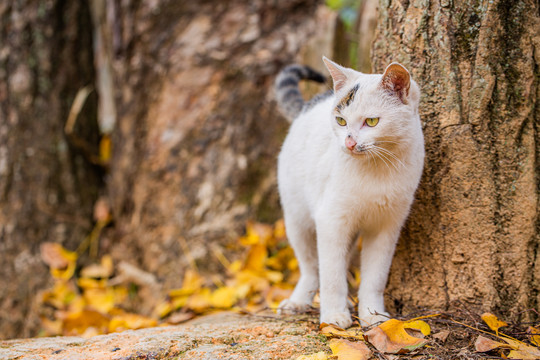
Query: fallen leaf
78, 323
441, 335
330, 330
55, 256
256, 258
102, 270
101, 300
192, 283
391, 336
419, 325
493, 322
521, 350
321, 355
223, 298
535, 335
125, 321
483, 344
180, 317
349, 350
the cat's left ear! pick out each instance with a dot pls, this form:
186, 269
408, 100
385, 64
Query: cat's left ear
396, 80
340, 75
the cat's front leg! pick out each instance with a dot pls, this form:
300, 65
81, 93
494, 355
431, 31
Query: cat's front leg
333, 240
376, 259
302, 238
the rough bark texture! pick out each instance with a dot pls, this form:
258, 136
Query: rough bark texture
197, 134
473, 231
47, 188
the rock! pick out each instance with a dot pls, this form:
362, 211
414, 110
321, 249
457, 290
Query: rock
218, 336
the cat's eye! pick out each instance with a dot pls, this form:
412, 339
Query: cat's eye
341, 121
371, 122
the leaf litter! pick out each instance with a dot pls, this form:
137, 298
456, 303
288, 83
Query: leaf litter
89, 300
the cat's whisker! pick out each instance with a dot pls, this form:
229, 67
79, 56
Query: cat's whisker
372, 158
376, 153
383, 156
386, 151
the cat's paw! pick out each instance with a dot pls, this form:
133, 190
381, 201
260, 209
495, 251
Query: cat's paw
367, 318
341, 319
288, 307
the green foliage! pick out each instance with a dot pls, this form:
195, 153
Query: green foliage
347, 10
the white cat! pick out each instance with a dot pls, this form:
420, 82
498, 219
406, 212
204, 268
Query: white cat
349, 166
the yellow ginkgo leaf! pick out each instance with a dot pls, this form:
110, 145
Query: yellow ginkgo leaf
102, 270
78, 323
330, 330
223, 298
101, 300
535, 335
493, 322
125, 321
419, 325
200, 301
256, 258
321, 355
55, 256
60, 296
192, 283
391, 337
521, 350
251, 237
349, 350
88, 283
279, 229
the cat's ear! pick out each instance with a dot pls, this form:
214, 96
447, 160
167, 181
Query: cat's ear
396, 80
340, 75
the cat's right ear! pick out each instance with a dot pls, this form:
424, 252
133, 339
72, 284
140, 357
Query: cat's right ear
340, 75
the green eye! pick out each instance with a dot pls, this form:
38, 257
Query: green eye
341, 121
371, 122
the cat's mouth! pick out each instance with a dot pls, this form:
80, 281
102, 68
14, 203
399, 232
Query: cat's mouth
356, 151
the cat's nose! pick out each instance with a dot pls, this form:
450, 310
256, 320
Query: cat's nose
350, 143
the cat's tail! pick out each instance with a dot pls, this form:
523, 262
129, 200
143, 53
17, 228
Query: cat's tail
288, 96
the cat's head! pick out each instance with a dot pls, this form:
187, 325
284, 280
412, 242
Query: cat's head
375, 115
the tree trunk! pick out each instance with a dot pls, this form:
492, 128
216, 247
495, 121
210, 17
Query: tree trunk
197, 135
47, 186
472, 235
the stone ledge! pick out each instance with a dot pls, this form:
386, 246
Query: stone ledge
219, 336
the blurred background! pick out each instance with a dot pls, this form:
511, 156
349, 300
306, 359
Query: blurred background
138, 139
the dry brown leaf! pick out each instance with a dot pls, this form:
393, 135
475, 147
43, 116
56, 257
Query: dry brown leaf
483, 344
391, 337
349, 350
179, 318
441, 335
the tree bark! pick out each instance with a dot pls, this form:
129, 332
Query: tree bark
47, 186
197, 135
472, 235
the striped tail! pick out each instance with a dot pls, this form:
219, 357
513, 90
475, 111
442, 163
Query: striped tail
288, 94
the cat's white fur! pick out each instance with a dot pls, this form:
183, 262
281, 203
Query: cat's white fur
330, 194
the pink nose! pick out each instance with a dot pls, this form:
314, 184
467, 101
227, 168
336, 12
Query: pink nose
350, 143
